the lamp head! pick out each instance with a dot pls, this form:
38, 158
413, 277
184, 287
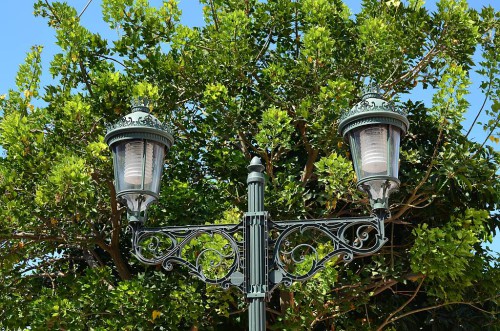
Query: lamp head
373, 129
138, 142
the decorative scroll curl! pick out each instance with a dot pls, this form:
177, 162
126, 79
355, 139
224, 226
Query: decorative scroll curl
372, 106
148, 121
297, 249
302, 248
213, 253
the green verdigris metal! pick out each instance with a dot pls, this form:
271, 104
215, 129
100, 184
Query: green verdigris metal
139, 124
263, 253
259, 254
372, 111
258, 247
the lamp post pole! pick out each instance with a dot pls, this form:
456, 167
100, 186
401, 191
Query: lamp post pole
257, 228
259, 254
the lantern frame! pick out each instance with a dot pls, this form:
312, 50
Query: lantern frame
261, 254
374, 111
141, 126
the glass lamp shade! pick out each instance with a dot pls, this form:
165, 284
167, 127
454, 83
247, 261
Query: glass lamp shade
373, 128
375, 154
138, 168
139, 142
375, 150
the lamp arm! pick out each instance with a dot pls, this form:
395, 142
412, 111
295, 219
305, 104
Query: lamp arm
294, 259
216, 260
297, 249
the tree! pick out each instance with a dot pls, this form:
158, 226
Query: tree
259, 78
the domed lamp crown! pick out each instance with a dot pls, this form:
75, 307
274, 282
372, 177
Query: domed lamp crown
138, 142
373, 129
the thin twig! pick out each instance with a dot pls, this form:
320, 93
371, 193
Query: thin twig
297, 36
386, 286
367, 316
86, 78
84, 9
49, 262
265, 46
214, 14
243, 145
426, 175
439, 306
112, 59
41, 237
53, 12
411, 74
487, 137
389, 318
482, 107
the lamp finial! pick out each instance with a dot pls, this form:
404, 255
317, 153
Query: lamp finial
143, 104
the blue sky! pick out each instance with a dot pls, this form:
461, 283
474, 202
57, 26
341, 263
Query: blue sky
22, 30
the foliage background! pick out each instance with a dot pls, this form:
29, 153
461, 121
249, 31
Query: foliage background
65, 260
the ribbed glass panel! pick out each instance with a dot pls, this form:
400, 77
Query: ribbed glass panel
373, 150
394, 140
138, 169
155, 155
137, 151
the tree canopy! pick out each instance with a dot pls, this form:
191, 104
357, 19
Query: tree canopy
259, 78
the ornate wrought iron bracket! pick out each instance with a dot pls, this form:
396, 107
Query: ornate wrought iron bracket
302, 248
213, 253
257, 254
293, 251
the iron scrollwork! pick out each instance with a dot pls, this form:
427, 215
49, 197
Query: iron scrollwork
298, 249
301, 248
148, 121
213, 253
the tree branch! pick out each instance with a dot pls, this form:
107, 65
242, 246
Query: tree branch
265, 46
487, 137
49, 262
411, 74
112, 59
86, 78
84, 9
312, 154
53, 12
42, 237
388, 319
386, 286
296, 28
114, 247
482, 107
471, 304
407, 205
243, 145
214, 14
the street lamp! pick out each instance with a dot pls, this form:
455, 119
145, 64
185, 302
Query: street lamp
373, 129
259, 254
138, 142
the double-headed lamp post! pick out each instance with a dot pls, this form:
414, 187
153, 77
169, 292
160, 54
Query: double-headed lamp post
257, 254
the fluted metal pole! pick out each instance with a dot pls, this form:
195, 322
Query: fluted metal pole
256, 264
